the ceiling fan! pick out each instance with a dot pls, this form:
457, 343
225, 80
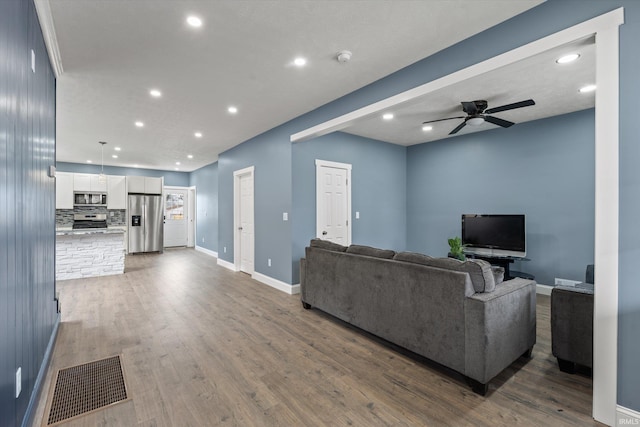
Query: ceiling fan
477, 113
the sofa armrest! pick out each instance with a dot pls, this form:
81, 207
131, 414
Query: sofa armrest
500, 326
303, 270
572, 325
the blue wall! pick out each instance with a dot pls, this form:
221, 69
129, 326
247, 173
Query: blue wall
270, 154
378, 186
205, 180
543, 169
177, 179
27, 206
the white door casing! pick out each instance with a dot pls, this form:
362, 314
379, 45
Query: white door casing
244, 236
333, 202
191, 218
176, 206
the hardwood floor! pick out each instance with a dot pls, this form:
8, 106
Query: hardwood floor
203, 346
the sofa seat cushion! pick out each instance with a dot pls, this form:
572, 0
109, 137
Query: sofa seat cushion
480, 272
325, 244
372, 252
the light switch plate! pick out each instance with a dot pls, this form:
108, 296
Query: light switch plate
357, 215
285, 216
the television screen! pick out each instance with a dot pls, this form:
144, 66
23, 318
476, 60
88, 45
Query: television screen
494, 234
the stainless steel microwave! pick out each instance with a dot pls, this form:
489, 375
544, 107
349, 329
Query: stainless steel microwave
89, 199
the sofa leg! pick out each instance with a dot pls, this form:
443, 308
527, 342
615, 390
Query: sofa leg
566, 366
527, 354
478, 387
305, 305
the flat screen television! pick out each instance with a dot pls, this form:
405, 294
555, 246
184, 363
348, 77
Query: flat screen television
494, 235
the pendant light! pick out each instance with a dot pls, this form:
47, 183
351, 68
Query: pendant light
102, 178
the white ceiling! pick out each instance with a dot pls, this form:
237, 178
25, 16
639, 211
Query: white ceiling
554, 88
113, 52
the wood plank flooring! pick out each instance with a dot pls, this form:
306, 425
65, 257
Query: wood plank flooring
203, 346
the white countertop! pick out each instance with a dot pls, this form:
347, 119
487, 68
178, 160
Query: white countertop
68, 231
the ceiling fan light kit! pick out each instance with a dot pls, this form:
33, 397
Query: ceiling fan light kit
477, 113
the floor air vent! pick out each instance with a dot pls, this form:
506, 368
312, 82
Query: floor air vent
85, 388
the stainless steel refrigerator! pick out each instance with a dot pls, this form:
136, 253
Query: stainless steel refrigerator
146, 225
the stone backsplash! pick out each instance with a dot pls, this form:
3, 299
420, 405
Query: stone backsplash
115, 217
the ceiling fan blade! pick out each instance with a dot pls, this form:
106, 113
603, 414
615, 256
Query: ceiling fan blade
497, 121
457, 129
513, 106
469, 108
440, 120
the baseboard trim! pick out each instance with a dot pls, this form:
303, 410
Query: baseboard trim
277, 284
627, 417
543, 289
227, 264
207, 251
42, 374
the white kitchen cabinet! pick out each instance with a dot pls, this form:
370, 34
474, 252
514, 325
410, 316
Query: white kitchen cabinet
152, 185
82, 182
64, 190
97, 186
116, 192
135, 184
88, 183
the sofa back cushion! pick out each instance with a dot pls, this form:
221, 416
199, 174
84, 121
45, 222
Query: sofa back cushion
372, 252
325, 244
479, 270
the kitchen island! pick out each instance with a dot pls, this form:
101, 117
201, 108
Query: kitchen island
89, 252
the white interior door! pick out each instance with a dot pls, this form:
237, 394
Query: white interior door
176, 205
333, 197
244, 220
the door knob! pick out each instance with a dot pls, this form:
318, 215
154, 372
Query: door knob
324, 233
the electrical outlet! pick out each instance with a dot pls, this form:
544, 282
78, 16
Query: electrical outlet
269, 262
566, 282
357, 215
225, 249
285, 216
18, 381
203, 240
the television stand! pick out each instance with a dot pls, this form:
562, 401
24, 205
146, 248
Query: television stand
504, 262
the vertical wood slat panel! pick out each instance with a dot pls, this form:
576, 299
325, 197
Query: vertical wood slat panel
27, 209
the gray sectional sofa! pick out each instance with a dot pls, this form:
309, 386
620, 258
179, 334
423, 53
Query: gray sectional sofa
449, 311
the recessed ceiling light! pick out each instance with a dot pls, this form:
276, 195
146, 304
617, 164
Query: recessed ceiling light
190, 156
135, 166
117, 148
155, 93
139, 124
387, 116
89, 161
587, 88
232, 109
427, 128
198, 134
178, 163
177, 169
299, 62
568, 58
115, 156
194, 21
